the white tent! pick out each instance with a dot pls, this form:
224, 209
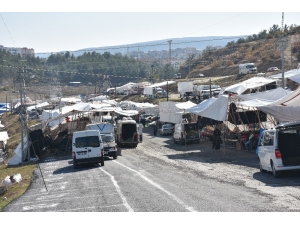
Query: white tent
43, 104
185, 105
148, 89
171, 112
273, 94
285, 109
214, 108
253, 82
288, 74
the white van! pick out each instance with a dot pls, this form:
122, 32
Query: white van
107, 136
186, 133
127, 133
279, 149
87, 147
247, 68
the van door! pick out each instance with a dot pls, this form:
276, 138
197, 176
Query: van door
93, 146
80, 149
267, 149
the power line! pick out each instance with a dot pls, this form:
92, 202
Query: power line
8, 30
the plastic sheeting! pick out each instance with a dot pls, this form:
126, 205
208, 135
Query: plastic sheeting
148, 89
212, 108
273, 94
288, 74
253, 82
185, 105
285, 109
37, 106
168, 112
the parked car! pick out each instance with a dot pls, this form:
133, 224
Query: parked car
279, 149
177, 76
161, 94
272, 69
199, 75
166, 129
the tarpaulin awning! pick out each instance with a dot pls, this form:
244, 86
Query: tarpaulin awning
288, 74
253, 82
273, 94
285, 109
185, 105
212, 108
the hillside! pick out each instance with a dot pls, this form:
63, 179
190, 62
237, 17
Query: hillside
264, 53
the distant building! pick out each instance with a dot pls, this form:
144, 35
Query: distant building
22, 51
75, 84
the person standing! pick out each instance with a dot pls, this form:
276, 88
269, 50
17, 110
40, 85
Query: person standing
154, 129
247, 144
140, 131
216, 138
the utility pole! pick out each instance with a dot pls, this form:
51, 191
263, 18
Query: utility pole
209, 88
282, 52
138, 75
170, 41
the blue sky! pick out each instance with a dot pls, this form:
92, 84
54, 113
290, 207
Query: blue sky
61, 26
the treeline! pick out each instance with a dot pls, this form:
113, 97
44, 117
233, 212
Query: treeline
87, 68
274, 32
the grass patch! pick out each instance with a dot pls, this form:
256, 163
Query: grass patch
12, 126
17, 189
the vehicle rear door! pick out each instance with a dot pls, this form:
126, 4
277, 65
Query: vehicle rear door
80, 149
93, 146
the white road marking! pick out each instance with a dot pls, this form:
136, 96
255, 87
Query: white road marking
92, 207
68, 192
41, 206
191, 209
47, 200
118, 190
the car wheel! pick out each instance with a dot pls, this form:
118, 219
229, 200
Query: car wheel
174, 141
181, 142
115, 156
276, 174
260, 167
75, 165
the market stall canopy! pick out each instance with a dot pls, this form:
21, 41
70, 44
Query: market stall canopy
214, 108
285, 109
255, 102
288, 74
253, 82
148, 89
185, 105
37, 106
271, 95
127, 112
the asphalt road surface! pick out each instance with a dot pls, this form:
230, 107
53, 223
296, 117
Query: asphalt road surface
160, 176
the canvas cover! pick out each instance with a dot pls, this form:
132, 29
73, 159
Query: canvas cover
272, 95
214, 108
253, 82
285, 109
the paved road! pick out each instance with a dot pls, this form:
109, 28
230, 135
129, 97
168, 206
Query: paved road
159, 176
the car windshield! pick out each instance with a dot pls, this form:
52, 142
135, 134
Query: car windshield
107, 137
167, 126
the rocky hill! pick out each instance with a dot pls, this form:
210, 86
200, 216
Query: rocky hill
264, 53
